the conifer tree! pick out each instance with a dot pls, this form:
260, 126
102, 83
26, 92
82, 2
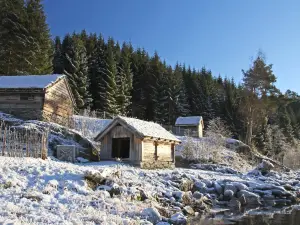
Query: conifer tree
97, 65
58, 61
16, 52
124, 82
110, 94
41, 40
75, 65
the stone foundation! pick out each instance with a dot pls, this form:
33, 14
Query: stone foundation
157, 165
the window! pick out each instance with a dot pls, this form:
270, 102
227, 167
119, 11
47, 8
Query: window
27, 97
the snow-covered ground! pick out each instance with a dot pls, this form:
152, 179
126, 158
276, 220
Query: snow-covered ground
33, 191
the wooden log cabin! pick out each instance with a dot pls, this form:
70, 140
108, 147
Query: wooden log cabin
37, 97
142, 143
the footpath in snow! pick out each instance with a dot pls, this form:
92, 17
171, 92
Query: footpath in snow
33, 191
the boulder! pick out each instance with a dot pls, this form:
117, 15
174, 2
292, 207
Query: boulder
234, 205
218, 188
152, 215
178, 219
269, 200
230, 187
240, 186
265, 167
208, 183
178, 195
197, 195
200, 186
228, 195
188, 210
252, 200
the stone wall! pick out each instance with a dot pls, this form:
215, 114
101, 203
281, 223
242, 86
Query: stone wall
157, 164
24, 113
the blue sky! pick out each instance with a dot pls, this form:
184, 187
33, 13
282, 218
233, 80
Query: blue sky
222, 35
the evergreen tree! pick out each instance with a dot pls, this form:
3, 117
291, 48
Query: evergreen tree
110, 94
259, 84
41, 40
58, 60
16, 42
124, 82
97, 65
75, 64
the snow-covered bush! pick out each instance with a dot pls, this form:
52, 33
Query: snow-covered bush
292, 157
204, 149
217, 127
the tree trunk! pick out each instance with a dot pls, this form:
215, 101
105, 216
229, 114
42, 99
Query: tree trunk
249, 127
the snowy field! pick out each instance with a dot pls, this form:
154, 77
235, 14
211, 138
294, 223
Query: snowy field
51, 192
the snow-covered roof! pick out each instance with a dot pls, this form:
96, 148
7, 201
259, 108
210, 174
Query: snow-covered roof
29, 81
189, 120
141, 128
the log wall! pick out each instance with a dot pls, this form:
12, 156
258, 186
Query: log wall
58, 106
15, 104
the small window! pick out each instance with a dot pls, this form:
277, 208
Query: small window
27, 97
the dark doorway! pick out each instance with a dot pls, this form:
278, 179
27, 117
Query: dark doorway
120, 148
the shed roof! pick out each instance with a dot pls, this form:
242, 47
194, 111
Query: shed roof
139, 127
189, 120
29, 81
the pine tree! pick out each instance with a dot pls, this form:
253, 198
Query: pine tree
58, 61
97, 65
259, 84
140, 67
110, 86
75, 64
15, 40
41, 44
124, 82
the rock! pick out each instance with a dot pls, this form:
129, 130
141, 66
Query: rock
188, 210
152, 215
230, 187
210, 190
178, 219
265, 167
228, 194
235, 205
252, 199
282, 202
187, 198
162, 223
280, 193
178, 195
218, 188
240, 186
172, 199
200, 186
208, 183
197, 195
269, 200
243, 200
115, 191
288, 187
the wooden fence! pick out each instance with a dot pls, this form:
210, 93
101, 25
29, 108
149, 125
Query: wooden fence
16, 142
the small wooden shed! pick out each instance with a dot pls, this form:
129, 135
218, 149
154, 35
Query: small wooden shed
37, 97
192, 126
142, 143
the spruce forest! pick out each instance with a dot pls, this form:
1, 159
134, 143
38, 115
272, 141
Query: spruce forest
113, 78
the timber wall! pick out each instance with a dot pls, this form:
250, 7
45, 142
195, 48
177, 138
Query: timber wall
15, 104
58, 106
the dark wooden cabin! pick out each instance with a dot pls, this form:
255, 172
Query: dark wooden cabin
37, 97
